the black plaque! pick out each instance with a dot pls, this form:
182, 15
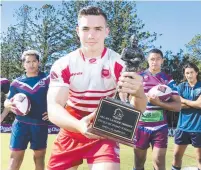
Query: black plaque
116, 120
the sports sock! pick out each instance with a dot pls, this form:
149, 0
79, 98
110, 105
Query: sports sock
176, 168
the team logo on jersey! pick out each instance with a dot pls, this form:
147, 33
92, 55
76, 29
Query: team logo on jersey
105, 73
53, 75
118, 114
146, 78
41, 83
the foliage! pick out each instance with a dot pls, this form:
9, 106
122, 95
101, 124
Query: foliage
194, 47
174, 63
51, 31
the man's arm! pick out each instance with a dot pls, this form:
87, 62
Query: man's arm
195, 104
4, 114
56, 100
184, 106
174, 105
140, 102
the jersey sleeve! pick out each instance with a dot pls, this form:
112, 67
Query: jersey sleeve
173, 86
60, 73
118, 65
12, 90
5, 84
47, 79
179, 89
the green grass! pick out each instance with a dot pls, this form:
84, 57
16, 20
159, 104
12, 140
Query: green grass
126, 156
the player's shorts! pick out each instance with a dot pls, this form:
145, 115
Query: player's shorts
185, 138
70, 149
144, 137
23, 133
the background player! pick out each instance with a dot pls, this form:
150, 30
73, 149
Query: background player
152, 127
33, 127
189, 123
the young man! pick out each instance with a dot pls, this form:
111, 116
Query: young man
189, 123
152, 127
33, 127
78, 82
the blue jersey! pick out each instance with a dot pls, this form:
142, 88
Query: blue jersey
36, 90
190, 119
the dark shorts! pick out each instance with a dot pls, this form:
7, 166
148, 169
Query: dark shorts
23, 133
185, 138
144, 137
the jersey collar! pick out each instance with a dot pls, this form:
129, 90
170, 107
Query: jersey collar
102, 54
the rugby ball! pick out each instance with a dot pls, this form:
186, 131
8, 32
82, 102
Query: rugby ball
22, 104
163, 92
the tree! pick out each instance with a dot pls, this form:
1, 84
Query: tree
174, 63
194, 47
10, 55
51, 37
14, 42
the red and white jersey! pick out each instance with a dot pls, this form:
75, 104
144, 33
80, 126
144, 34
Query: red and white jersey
88, 79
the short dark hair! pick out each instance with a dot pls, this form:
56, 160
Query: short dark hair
191, 65
91, 10
30, 52
157, 51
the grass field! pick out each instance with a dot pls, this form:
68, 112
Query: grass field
126, 156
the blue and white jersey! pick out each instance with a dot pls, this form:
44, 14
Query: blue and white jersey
36, 90
189, 119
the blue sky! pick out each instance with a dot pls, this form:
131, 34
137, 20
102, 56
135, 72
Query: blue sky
178, 21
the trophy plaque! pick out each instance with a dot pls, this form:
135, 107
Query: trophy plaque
117, 120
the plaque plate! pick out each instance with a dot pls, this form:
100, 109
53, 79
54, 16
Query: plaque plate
116, 120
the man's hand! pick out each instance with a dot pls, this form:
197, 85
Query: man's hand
184, 106
183, 101
10, 105
154, 100
45, 116
85, 123
131, 83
